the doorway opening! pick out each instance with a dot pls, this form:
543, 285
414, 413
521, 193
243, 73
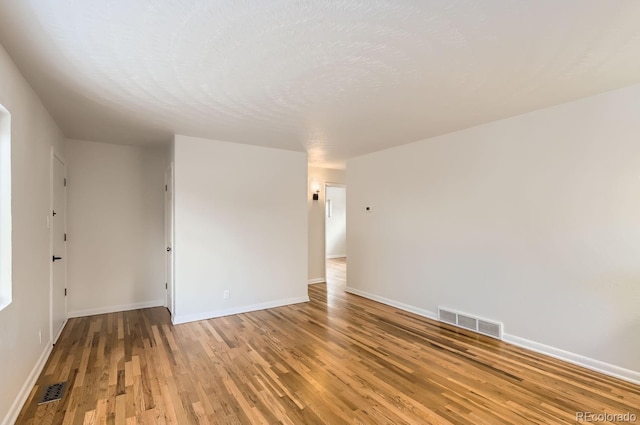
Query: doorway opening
335, 236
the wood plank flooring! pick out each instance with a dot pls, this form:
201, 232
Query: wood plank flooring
336, 274
339, 359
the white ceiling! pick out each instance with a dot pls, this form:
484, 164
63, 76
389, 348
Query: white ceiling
335, 78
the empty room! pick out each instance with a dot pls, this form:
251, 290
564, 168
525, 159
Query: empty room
319, 212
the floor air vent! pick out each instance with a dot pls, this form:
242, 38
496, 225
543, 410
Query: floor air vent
467, 321
53, 392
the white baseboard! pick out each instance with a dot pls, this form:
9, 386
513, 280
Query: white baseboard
21, 398
317, 280
331, 257
179, 319
56, 336
115, 308
577, 359
406, 307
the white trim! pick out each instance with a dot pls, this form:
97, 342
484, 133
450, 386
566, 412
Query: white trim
406, 307
331, 257
21, 398
316, 280
577, 359
331, 184
55, 339
6, 283
179, 319
557, 353
116, 308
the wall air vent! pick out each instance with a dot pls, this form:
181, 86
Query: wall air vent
447, 316
489, 328
470, 322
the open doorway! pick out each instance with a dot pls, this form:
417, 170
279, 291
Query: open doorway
336, 235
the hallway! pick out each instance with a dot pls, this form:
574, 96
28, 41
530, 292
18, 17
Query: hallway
336, 274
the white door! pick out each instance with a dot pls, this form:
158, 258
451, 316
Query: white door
58, 249
168, 221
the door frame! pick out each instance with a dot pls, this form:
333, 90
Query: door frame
56, 156
169, 222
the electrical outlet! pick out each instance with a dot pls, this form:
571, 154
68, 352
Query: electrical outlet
225, 294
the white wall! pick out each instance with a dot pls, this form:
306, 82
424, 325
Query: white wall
319, 176
33, 132
336, 225
240, 225
116, 227
533, 221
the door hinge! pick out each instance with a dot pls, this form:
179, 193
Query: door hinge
166, 286
65, 292
65, 182
166, 188
65, 237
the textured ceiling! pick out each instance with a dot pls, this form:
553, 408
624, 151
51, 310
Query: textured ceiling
334, 78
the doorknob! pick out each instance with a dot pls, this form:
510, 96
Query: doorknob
168, 249
54, 258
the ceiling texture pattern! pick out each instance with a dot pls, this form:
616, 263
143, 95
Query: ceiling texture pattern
334, 78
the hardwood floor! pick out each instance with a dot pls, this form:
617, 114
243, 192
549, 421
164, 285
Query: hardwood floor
338, 359
336, 274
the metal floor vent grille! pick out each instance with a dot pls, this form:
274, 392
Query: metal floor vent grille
53, 392
467, 321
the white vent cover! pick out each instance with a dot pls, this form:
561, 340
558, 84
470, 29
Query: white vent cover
491, 329
473, 323
449, 317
